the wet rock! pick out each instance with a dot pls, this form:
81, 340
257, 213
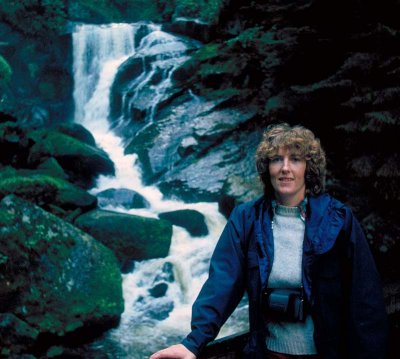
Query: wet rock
130, 237
162, 311
159, 290
188, 146
206, 175
193, 221
128, 266
141, 85
122, 197
167, 273
155, 308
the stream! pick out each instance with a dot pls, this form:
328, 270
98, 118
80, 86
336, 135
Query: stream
148, 323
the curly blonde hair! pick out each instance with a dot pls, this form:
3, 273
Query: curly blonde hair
300, 141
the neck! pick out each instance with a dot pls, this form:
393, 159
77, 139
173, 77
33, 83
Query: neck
289, 202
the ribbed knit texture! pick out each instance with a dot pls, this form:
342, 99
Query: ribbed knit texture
293, 338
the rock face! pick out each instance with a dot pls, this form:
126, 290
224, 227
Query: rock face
130, 237
55, 281
280, 61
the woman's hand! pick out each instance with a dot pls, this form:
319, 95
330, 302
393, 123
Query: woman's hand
177, 351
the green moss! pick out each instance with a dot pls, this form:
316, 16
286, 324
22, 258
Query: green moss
207, 52
54, 142
52, 168
129, 236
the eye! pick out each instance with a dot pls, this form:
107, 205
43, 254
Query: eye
275, 159
296, 159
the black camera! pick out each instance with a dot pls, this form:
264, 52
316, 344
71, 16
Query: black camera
285, 304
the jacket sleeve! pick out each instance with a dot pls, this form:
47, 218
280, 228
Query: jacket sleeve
223, 289
368, 322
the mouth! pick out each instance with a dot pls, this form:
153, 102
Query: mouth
286, 179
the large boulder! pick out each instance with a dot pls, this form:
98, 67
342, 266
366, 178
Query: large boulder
55, 281
130, 237
81, 161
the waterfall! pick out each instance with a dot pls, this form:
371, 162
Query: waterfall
98, 52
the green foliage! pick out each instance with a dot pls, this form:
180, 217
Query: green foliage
103, 8
227, 69
116, 10
139, 10
204, 10
35, 17
5, 73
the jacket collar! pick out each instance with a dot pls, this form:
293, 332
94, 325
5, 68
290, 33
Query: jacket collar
325, 219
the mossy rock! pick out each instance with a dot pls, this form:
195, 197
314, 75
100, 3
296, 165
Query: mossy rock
45, 190
131, 237
77, 131
52, 168
193, 221
82, 162
63, 280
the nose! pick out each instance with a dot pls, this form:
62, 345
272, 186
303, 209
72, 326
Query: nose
285, 165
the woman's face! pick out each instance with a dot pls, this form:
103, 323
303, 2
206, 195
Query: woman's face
287, 177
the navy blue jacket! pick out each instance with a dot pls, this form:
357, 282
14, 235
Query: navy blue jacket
340, 281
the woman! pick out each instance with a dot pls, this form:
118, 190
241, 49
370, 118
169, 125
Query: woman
301, 255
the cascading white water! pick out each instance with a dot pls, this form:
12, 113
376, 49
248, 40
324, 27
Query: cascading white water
98, 52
